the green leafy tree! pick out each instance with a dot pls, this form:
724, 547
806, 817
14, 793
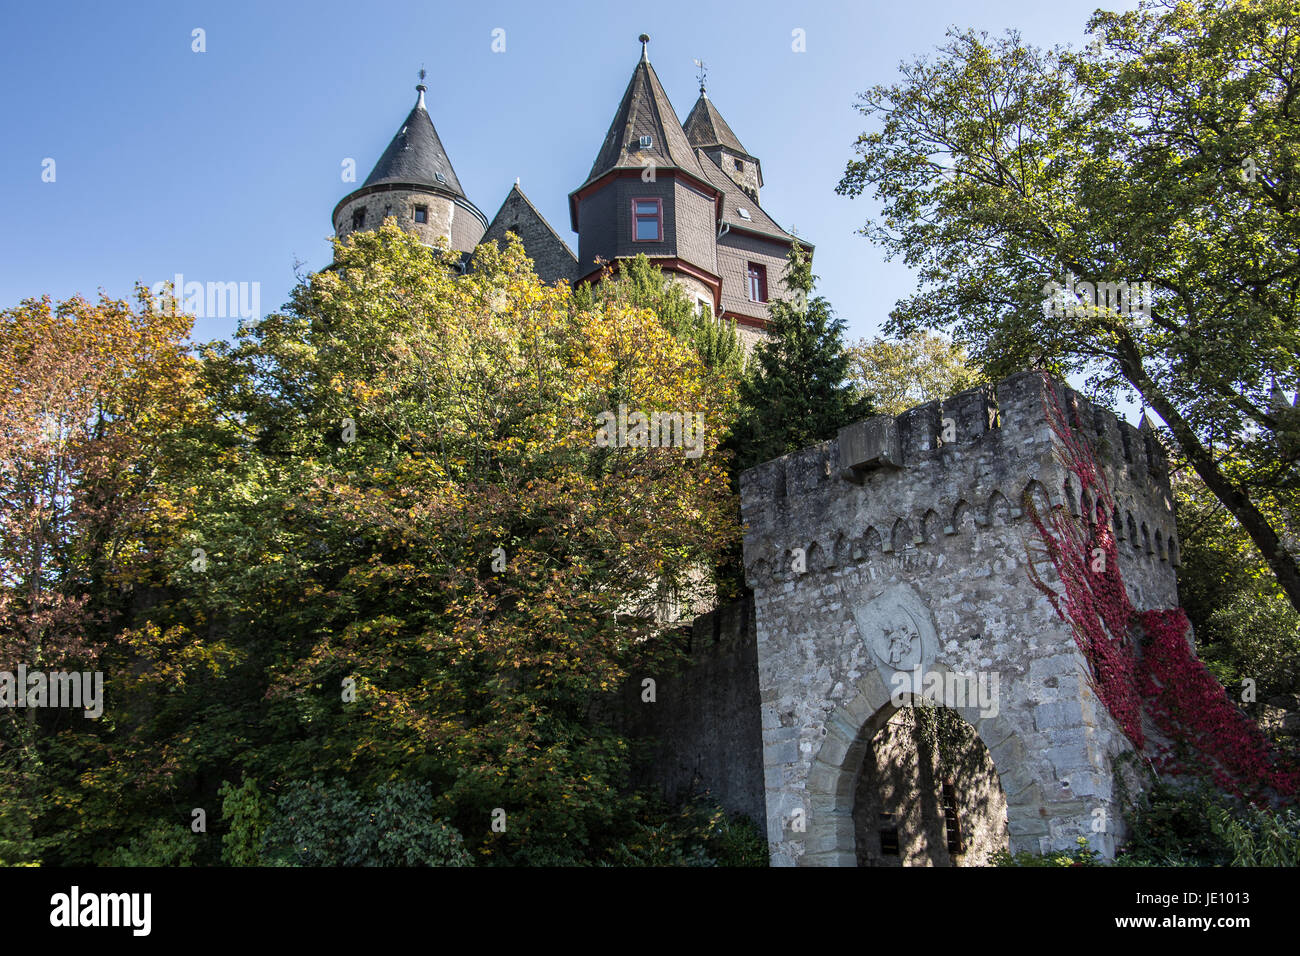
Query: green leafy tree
1165, 153
797, 391
92, 399
1245, 628
423, 564
918, 368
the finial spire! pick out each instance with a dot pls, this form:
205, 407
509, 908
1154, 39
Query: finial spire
702, 76
421, 88
645, 39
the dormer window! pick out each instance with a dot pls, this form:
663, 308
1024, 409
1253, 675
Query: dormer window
359, 218
421, 213
647, 220
743, 214
441, 178
740, 165
646, 142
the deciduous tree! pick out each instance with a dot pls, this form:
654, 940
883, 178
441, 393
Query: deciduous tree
1164, 153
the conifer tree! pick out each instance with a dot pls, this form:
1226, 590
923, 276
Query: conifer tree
640, 284
798, 389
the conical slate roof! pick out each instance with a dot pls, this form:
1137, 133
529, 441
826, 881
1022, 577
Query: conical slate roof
416, 156
644, 111
705, 127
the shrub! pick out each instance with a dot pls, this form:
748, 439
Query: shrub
1258, 837
247, 815
1170, 826
1081, 856
167, 844
1193, 824
315, 824
700, 833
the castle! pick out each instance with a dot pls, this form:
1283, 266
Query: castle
685, 195
898, 549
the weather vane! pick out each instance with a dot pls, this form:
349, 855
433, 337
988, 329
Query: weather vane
422, 73
703, 74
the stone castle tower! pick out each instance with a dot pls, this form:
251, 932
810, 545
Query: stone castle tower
687, 196
414, 183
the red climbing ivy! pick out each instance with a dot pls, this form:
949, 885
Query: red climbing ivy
1086, 558
1140, 664
1208, 734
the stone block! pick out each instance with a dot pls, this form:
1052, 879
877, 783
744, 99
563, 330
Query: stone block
1066, 713
868, 446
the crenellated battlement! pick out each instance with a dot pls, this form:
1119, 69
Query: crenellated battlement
903, 547
937, 474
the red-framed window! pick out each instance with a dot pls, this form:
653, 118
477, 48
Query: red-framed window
757, 282
647, 220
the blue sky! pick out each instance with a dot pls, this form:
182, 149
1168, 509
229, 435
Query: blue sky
225, 165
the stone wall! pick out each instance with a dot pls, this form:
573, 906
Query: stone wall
901, 548
446, 218
552, 259
703, 731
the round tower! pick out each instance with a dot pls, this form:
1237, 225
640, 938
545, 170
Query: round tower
414, 183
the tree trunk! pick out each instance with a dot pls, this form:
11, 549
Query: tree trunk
1281, 561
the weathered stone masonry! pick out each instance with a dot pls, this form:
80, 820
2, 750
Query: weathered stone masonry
892, 524
703, 726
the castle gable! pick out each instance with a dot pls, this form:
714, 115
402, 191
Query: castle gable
552, 258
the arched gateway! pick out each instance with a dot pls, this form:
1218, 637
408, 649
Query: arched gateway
893, 562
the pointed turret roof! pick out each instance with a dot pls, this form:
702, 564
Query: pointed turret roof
644, 111
706, 128
416, 155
